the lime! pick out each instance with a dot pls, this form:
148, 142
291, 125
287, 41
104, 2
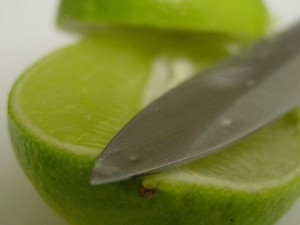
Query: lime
66, 108
247, 18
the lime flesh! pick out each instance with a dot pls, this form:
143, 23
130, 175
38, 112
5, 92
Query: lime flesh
247, 18
66, 108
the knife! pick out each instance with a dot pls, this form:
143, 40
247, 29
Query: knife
208, 112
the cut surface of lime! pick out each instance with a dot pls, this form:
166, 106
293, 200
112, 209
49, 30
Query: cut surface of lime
247, 18
67, 107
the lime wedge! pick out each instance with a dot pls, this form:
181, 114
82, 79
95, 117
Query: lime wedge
247, 18
66, 108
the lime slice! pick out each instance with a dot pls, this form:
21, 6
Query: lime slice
247, 18
66, 108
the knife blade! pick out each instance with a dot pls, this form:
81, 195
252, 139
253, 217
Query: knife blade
208, 112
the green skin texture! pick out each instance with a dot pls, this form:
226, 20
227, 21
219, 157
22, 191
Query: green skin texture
62, 177
247, 18
178, 204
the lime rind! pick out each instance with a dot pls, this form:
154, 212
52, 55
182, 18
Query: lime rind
192, 178
173, 202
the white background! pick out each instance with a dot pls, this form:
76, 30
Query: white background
28, 32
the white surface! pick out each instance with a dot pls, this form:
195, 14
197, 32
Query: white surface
27, 32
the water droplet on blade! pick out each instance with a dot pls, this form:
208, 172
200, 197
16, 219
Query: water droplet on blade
133, 158
226, 122
250, 82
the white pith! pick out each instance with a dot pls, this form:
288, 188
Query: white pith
166, 73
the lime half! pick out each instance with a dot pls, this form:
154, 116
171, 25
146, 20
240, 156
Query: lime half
247, 18
65, 109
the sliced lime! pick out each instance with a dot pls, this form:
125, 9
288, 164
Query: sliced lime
247, 18
65, 109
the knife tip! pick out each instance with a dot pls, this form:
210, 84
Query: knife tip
104, 173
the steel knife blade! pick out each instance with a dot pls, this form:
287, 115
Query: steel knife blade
210, 111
